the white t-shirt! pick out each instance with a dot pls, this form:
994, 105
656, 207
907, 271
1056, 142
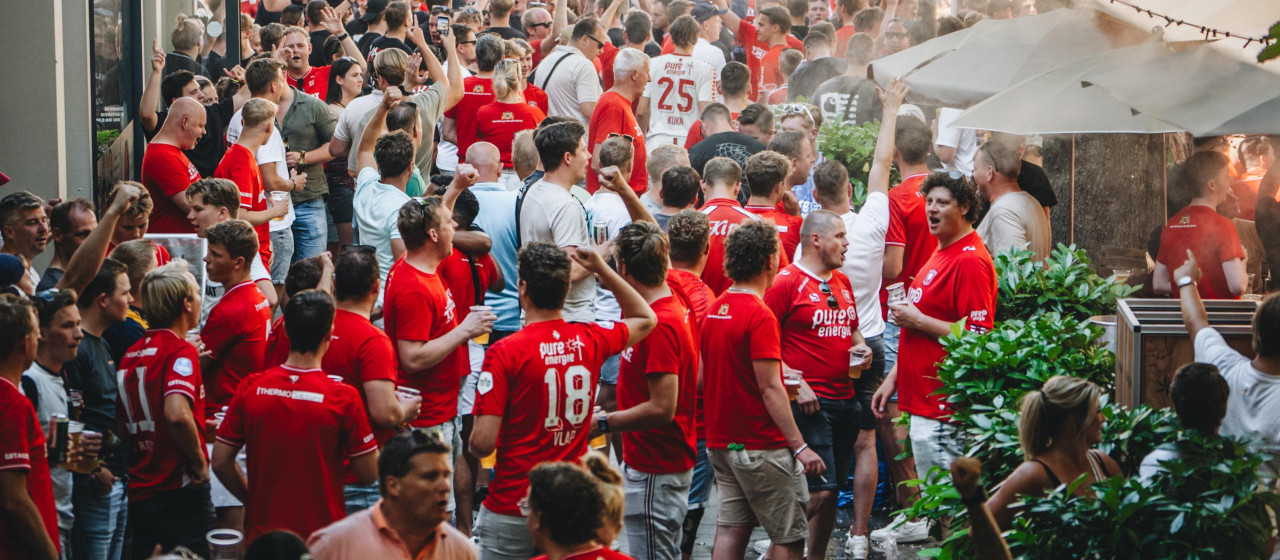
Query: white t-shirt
351, 124
608, 208
1151, 463
574, 81
213, 291
864, 260
376, 208
271, 151
677, 84
703, 50
964, 140
1254, 405
549, 213
1016, 219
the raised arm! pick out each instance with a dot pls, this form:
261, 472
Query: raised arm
333, 24
878, 179
610, 18
559, 20
151, 93
377, 124
85, 262
636, 313
1194, 315
611, 180
730, 19
983, 531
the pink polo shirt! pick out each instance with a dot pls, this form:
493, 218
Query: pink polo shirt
366, 534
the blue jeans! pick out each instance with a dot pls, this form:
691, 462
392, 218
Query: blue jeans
891, 335
310, 229
100, 520
360, 496
282, 255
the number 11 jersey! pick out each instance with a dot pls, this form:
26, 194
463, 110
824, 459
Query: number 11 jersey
542, 382
677, 84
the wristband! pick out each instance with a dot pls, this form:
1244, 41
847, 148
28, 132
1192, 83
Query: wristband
976, 499
603, 423
344, 36
1185, 281
797, 453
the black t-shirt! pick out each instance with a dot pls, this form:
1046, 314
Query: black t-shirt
1035, 181
617, 36
799, 31
357, 27
806, 80
317, 48
849, 98
213, 65
210, 147
366, 42
93, 372
506, 32
733, 145
383, 42
176, 61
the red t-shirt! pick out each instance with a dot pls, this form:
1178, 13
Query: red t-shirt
788, 228
762, 60
724, 214
1211, 237
535, 96
316, 82
166, 171
613, 114
957, 283
476, 93
418, 306
456, 271
909, 229
669, 349
162, 254
22, 449
241, 167
604, 63
779, 95
695, 133
498, 123
537, 51
542, 382
359, 353
842, 38
277, 345
236, 336
298, 427
160, 364
602, 553
816, 338
739, 330
698, 298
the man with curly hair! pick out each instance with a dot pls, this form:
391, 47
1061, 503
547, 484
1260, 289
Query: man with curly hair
748, 413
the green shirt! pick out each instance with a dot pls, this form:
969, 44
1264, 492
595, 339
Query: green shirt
308, 125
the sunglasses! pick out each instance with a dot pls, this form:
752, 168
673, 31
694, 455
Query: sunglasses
546, 24
825, 288
599, 43
895, 35
791, 109
460, 43
626, 137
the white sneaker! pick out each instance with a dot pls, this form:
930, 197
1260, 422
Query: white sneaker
761, 546
903, 530
856, 547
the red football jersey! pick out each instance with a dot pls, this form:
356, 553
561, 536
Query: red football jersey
542, 382
360, 352
236, 336
815, 338
958, 283
498, 123
298, 427
669, 349
613, 115
476, 93
536, 97
724, 214
160, 364
698, 297
1211, 238
695, 132
316, 82
762, 60
241, 167
22, 449
277, 345
739, 330
418, 306
456, 271
166, 171
909, 229
788, 228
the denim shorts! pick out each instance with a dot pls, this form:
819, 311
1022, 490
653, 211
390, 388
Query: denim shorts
830, 432
934, 443
609, 370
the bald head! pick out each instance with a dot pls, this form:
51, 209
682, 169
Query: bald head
185, 123
487, 161
821, 222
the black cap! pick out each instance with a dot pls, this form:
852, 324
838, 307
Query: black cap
703, 11
372, 10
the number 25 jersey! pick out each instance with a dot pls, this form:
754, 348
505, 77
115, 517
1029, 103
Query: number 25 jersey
542, 382
677, 84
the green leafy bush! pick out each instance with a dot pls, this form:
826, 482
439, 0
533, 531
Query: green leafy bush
1063, 283
854, 146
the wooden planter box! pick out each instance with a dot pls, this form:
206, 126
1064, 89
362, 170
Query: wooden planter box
1152, 343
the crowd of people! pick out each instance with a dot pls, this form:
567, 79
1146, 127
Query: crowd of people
451, 248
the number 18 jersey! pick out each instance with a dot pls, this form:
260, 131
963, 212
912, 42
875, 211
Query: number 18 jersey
677, 84
542, 382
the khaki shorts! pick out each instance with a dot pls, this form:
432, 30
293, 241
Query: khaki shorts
762, 487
